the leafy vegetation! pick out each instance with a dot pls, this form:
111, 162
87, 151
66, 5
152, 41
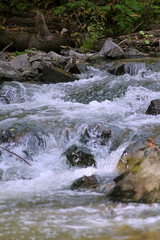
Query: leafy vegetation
146, 37
97, 18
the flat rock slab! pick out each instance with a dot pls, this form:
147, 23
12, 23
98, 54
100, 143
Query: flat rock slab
56, 75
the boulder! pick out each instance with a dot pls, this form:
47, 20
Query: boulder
142, 182
20, 63
96, 134
85, 182
154, 107
8, 73
52, 74
119, 68
134, 53
140, 173
79, 156
133, 155
111, 50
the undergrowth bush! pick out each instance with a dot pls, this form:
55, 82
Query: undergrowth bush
96, 18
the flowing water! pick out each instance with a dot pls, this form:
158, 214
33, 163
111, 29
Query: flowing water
36, 201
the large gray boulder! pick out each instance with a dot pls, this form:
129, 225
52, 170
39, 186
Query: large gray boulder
111, 50
8, 73
20, 63
140, 173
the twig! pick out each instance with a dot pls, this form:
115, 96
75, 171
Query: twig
16, 155
138, 26
125, 40
4, 49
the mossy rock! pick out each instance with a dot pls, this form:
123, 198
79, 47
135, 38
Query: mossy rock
133, 155
141, 183
85, 182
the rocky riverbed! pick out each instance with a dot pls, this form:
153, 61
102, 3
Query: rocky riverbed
88, 124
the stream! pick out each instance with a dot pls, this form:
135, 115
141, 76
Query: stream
36, 201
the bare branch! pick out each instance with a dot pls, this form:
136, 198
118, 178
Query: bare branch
16, 155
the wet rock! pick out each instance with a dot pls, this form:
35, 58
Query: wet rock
119, 68
8, 73
96, 134
133, 155
142, 182
140, 172
1, 174
111, 50
80, 156
32, 140
20, 63
154, 107
56, 75
85, 182
7, 94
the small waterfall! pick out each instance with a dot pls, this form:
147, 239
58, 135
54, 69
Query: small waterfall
133, 68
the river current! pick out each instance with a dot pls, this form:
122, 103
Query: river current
36, 201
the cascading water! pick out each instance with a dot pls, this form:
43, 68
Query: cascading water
36, 202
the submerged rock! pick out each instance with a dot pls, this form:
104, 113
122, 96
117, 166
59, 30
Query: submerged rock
154, 107
7, 94
80, 156
140, 168
96, 134
1, 174
33, 140
111, 50
85, 182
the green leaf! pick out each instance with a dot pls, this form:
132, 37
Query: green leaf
147, 42
141, 32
